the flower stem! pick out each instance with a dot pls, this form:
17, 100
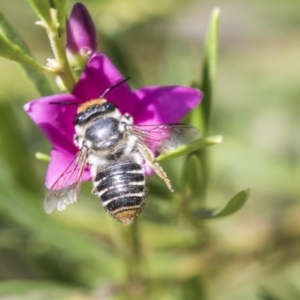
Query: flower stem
64, 68
58, 41
205, 168
131, 234
135, 278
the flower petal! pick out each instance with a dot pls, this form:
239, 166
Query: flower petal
81, 32
60, 161
56, 121
162, 105
99, 75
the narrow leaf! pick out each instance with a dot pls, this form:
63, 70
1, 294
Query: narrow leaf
231, 207
14, 148
14, 52
192, 175
13, 47
199, 143
39, 81
210, 65
201, 115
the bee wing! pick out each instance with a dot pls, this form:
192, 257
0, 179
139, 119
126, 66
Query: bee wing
66, 189
164, 138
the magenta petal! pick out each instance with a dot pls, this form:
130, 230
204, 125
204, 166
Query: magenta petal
56, 121
81, 32
60, 161
158, 105
99, 75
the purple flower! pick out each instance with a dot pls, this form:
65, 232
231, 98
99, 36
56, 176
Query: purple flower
147, 105
81, 34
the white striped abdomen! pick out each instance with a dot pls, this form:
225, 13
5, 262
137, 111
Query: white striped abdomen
122, 189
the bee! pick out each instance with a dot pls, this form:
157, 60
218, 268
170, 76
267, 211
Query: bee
115, 150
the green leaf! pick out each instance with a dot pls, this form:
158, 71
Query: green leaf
231, 207
200, 116
210, 65
42, 9
14, 52
199, 143
39, 81
14, 148
192, 175
13, 47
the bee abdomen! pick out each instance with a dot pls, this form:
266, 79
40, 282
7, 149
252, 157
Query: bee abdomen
122, 190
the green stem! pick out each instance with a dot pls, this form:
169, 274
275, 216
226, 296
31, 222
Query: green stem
60, 55
134, 249
207, 86
205, 168
135, 282
57, 40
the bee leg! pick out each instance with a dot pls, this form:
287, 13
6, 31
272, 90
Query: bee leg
76, 140
150, 159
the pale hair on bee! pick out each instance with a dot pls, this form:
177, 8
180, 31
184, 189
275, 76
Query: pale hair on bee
115, 150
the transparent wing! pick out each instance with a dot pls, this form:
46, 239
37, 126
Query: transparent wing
164, 138
66, 189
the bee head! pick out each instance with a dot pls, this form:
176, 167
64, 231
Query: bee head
93, 107
89, 104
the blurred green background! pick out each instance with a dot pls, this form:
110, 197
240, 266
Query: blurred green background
82, 253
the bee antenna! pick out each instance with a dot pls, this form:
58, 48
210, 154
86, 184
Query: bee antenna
65, 103
113, 86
